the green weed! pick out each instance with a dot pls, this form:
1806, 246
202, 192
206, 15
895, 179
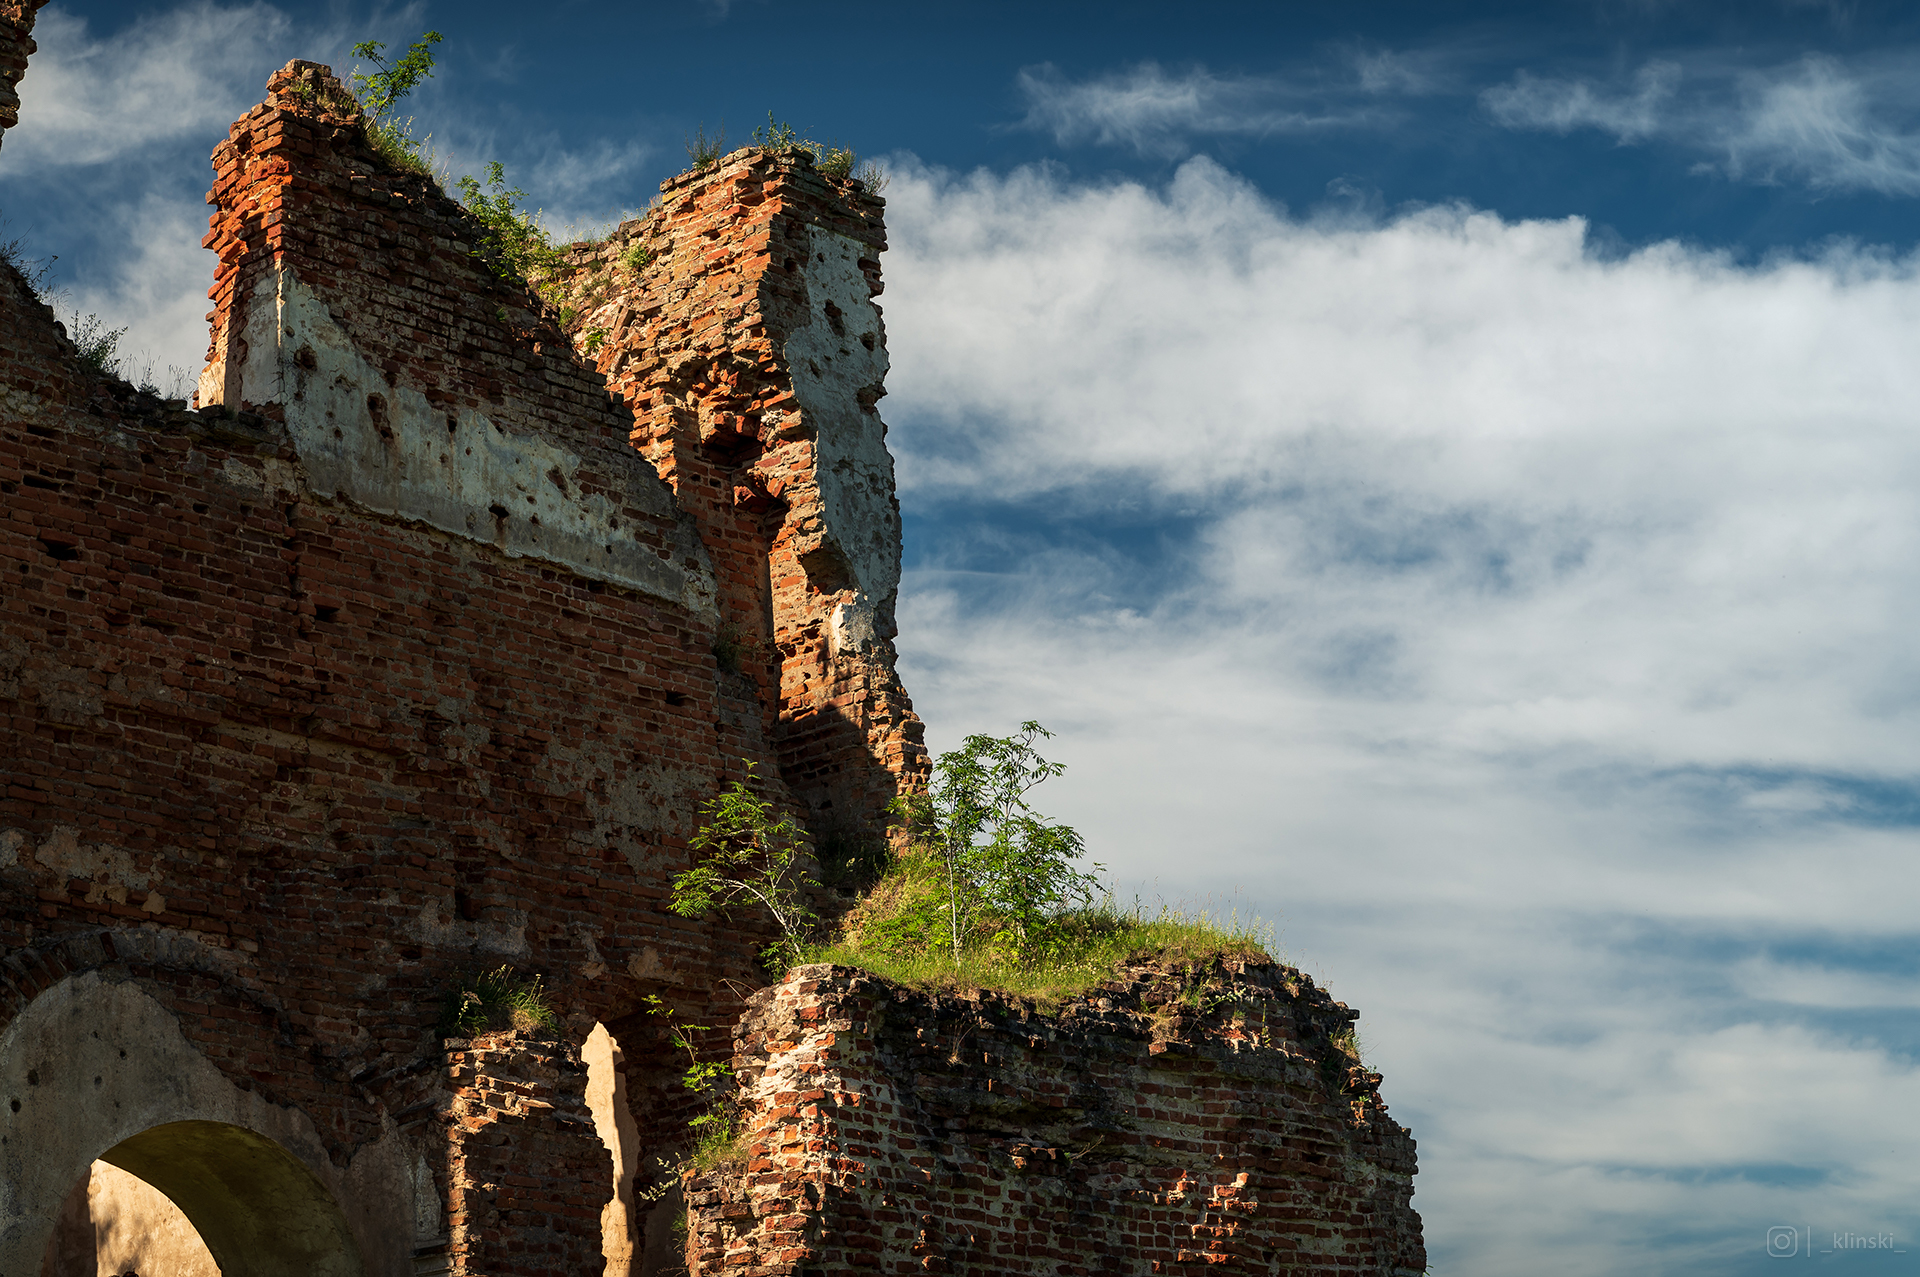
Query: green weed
514, 242
704, 151
98, 346
392, 139
496, 999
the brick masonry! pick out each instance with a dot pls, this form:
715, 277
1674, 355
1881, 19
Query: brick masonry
272, 685
524, 1163
1179, 1119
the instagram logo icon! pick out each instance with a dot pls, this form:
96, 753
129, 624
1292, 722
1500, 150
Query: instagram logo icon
1783, 1242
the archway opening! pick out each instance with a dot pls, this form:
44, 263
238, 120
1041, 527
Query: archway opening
113, 1223
251, 1206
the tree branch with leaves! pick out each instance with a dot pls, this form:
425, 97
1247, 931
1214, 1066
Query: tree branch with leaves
1005, 864
753, 854
383, 89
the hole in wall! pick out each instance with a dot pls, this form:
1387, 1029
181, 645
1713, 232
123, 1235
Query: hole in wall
620, 1217
59, 550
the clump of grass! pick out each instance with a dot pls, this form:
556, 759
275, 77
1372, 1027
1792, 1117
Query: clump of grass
497, 999
886, 934
98, 346
719, 1145
829, 158
35, 270
393, 142
704, 150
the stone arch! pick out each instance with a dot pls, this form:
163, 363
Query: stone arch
96, 1067
257, 1207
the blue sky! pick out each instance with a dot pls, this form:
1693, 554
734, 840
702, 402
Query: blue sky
1447, 472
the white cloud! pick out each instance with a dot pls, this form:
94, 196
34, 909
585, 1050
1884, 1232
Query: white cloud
1561, 106
1154, 112
1816, 121
157, 291
173, 74
1527, 632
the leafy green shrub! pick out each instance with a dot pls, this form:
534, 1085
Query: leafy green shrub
984, 893
752, 854
496, 999
515, 245
391, 138
1007, 869
636, 258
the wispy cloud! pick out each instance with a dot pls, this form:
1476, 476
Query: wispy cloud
1153, 111
1631, 113
1816, 121
175, 73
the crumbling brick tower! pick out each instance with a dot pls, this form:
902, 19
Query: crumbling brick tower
737, 320
395, 661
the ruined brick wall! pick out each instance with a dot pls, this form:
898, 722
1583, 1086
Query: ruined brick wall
1175, 1121
16, 46
522, 1159
392, 662
737, 321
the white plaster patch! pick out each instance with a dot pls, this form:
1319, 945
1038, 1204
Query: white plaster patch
110, 869
387, 449
260, 476
503, 931
626, 802
831, 362
852, 625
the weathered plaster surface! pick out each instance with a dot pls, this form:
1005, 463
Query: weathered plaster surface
839, 363
386, 448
